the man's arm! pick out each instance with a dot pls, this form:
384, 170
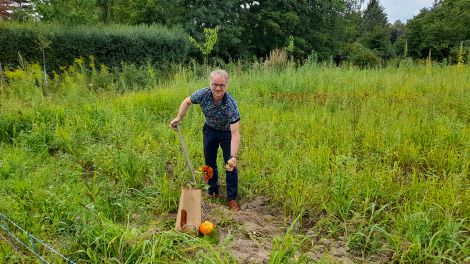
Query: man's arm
181, 112
234, 145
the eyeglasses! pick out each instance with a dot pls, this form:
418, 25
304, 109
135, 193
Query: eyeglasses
221, 85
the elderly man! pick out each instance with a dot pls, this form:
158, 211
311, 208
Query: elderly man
222, 127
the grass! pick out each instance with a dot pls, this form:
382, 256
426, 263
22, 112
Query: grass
380, 157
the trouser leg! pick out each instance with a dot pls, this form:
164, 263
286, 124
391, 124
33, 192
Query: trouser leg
211, 144
231, 176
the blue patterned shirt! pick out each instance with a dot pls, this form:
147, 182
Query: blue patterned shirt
218, 115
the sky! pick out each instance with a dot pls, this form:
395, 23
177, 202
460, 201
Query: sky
403, 9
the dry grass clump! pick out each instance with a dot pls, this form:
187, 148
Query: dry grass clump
277, 58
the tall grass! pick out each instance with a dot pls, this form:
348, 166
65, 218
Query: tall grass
380, 157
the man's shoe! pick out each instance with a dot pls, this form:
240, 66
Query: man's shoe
234, 205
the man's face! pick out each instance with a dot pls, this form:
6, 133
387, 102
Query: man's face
218, 86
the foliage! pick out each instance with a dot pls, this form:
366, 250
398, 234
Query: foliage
462, 52
439, 29
375, 32
210, 39
269, 24
377, 157
18, 10
246, 28
165, 12
71, 12
109, 45
351, 27
397, 29
361, 56
374, 16
192, 16
227, 16
255, 28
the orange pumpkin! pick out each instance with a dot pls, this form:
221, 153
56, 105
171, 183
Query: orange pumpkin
206, 228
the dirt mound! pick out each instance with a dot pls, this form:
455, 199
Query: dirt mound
248, 234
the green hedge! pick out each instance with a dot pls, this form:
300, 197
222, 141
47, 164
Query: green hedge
110, 45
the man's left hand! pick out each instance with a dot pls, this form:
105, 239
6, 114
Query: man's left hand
231, 164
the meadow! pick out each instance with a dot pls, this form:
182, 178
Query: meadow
377, 158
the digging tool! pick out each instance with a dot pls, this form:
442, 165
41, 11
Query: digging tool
188, 218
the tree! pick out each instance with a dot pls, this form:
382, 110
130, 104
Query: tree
106, 14
210, 35
396, 30
192, 15
314, 25
375, 33
196, 15
361, 56
71, 12
351, 26
438, 29
374, 16
136, 12
267, 25
20, 10
353, 6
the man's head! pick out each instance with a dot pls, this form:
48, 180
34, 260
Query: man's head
218, 84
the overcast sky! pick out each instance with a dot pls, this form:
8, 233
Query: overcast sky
403, 9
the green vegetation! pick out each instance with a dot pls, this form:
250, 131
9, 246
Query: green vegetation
248, 29
440, 30
57, 45
379, 157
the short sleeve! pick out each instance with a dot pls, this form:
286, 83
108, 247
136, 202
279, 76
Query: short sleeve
196, 97
234, 113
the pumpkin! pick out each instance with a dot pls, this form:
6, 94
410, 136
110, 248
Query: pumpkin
206, 228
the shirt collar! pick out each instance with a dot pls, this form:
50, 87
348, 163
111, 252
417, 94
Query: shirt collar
224, 99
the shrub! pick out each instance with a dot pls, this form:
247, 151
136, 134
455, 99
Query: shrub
277, 59
110, 45
361, 56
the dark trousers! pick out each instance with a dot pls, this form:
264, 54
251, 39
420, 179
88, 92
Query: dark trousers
212, 139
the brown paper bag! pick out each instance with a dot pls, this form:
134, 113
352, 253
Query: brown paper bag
188, 218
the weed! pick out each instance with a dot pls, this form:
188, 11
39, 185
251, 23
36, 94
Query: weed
377, 157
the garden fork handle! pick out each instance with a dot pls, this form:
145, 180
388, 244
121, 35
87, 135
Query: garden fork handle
186, 155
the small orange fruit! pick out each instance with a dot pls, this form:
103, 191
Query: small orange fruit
206, 228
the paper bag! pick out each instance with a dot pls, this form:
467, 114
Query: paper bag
188, 218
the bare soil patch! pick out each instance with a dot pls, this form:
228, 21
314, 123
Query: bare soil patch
248, 234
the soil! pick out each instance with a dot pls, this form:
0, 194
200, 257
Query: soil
249, 233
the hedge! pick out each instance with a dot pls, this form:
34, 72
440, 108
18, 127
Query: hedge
110, 45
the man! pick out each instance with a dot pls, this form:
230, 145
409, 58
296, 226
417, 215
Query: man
221, 127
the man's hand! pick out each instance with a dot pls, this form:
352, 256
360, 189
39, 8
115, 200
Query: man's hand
181, 112
231, 164
174, 123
